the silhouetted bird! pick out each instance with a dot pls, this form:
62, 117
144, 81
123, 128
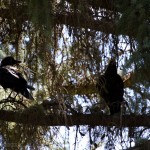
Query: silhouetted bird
110, 87
9, 61
13, 79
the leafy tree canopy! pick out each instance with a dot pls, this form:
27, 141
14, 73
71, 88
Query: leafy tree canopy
64, 45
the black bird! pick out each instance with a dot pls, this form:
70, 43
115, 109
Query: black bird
9, 60
13, 79
111, 88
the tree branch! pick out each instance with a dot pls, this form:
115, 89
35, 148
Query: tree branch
71, 120
88, 22
67, 18
91, 88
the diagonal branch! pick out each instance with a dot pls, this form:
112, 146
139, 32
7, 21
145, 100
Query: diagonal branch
91, 88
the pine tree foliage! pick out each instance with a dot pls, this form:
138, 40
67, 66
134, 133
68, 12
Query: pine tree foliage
136, 19
64, 45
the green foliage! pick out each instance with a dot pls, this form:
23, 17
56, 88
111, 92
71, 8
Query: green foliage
41, 14
135, 21
135, 18
66, 55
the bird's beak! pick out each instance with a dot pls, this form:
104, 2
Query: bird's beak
17, 62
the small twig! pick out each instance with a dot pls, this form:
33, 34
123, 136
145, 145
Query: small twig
76, 137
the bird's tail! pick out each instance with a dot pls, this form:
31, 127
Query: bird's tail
26, 94
30, 87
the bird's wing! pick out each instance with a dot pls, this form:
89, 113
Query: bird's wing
12, 72
15, 72
10, 77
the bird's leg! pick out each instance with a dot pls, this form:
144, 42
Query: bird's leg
15, 96
9, 96
22, 99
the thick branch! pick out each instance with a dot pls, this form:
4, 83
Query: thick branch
71, 120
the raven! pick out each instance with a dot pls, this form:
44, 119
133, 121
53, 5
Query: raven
11, 78
111, 88
9, 60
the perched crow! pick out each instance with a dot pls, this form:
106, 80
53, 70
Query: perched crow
110, 87
13, 79
9, 61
